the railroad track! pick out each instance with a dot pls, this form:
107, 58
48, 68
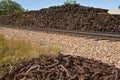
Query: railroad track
100, 35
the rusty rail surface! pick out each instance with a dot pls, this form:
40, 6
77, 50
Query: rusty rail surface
101, 35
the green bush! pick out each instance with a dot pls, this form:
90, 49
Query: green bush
71, 2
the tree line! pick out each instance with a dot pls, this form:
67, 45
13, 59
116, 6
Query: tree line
10, 7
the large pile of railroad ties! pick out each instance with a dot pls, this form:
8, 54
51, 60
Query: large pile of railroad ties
63, 67
66, 17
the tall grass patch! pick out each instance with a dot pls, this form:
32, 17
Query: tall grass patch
15, 51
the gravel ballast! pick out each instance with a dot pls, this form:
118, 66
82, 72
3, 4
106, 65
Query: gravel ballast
104, 50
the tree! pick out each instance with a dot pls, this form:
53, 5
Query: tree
10, 7
72, 2
118, 7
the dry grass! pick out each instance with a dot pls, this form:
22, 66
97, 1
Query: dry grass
13, 52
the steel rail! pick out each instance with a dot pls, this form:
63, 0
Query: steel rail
100, 35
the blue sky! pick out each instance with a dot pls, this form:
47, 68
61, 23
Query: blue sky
38, 4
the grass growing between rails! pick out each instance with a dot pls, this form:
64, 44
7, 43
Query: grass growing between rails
13, 52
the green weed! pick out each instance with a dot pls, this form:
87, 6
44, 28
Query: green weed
13, 52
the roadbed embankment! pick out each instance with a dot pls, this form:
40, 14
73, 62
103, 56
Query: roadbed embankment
104, 50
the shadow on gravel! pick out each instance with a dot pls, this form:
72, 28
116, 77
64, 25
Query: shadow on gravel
63, 67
